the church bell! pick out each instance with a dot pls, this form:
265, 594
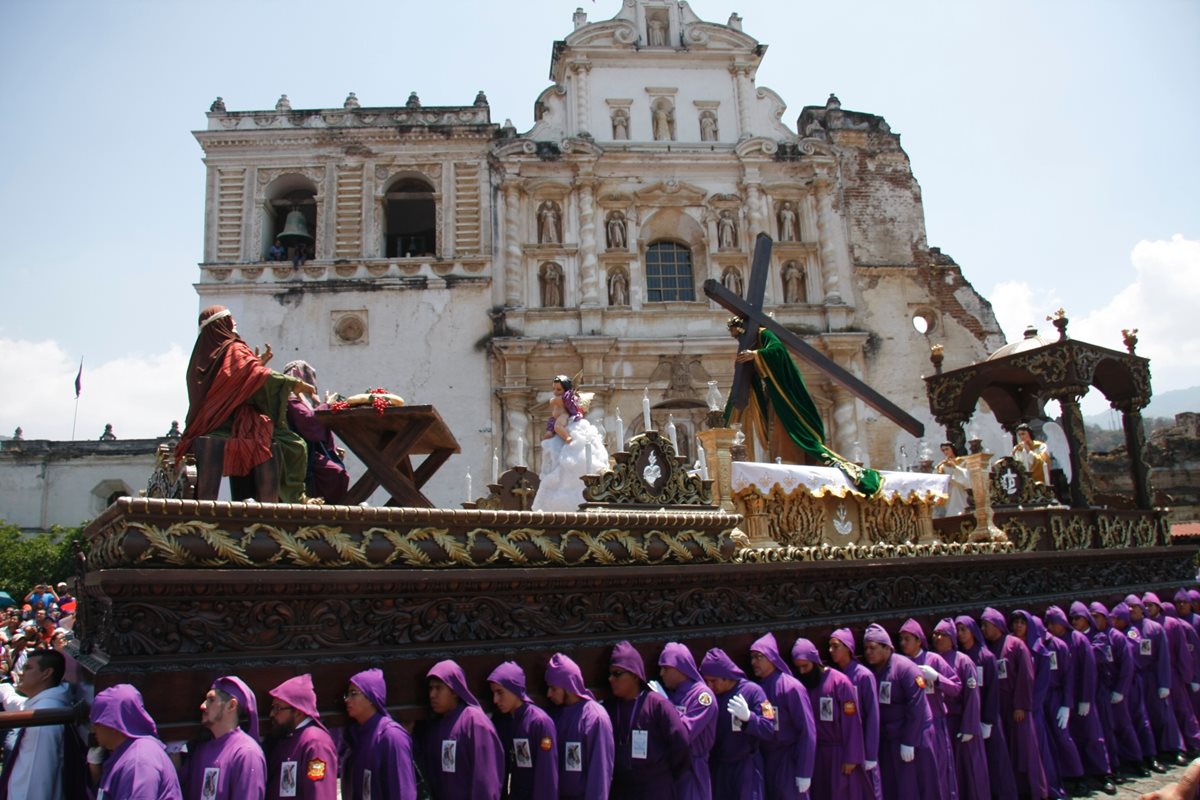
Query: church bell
295, 229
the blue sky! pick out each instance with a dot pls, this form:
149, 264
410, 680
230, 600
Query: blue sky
1054, 144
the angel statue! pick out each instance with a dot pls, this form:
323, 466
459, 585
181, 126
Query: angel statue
571, 447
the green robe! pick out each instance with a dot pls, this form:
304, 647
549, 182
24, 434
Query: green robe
778, 388
272, 400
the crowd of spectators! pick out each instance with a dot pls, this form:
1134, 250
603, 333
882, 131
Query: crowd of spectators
42, 621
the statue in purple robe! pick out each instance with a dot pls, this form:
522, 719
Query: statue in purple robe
138, 765
698, 711
378, 757
746, 719
460, 752
838, 772
326, 476
230, 765
301, 758
584, 733
1000, 771
788, 758
527, 735
941, 684
841, 652
962, 717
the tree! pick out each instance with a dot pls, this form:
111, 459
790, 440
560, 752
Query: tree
27, 560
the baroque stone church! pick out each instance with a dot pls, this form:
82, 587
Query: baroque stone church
462, 263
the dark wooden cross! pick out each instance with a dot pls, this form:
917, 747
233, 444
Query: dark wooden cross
750, 309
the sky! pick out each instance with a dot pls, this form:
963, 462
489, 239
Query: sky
1055, 146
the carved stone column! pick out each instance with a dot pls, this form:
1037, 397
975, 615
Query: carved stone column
514, 262
846, 351
581, 70
716, 443
744, 89
589, 280
1082, 488
518, 448
976, 465
758, 220
955, 425
1135, 445
827, 234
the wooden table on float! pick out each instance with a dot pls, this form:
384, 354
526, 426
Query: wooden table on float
386, 443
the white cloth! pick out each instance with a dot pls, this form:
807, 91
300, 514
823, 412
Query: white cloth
959, 483
37, 770
563, 465
819, 481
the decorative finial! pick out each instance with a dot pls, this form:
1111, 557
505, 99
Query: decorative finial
283, 104
481, 99
351, 102
1131, 339
218, 106
18, 434
108, 435
174, 433
936, 357
1059, 320
579, 18
832, 102
413, 101
735, 21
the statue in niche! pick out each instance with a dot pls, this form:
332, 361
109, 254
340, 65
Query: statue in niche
551, 279
793, 283
708, 127
549, 223
731, 279
618, 288
727, 231
664, 124
620, 124
787, 223
656, 32
615, 229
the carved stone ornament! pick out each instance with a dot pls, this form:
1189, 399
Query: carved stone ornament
647, 473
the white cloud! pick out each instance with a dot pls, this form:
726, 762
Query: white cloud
1018, 305
139, 394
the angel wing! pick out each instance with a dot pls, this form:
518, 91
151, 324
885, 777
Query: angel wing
583, 400
1060, 450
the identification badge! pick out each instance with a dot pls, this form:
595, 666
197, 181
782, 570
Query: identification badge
885, 693
212, 777
972, 683
1002, 668
826, 709
979, 675
574, 757
521, 753
366, 784
640, 744
1108, 656
287, 778
1053, 660
1146, 647
449, 755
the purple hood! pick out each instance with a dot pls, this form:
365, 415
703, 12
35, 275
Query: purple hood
769, 648
876, 633
235, 687
717, 664
510, 675
298, 693
913, 628
680, 657
804, 650
996, 618
373, 686
846, 637
451, 674
121, 708
566, 674
626, 657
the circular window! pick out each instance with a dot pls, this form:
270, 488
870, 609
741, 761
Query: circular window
924, 321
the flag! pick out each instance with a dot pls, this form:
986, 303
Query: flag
79, 380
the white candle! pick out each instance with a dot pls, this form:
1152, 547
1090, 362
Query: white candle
703, 461
646, 408
520, 453
672, 434
620, 431
495, 466
470, 494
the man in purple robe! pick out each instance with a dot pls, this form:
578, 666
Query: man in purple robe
230, 765
1171, 611
841, 652
1105, 676
1114, 667
460, 752
1135, 697
788, 757
907, 764
1182, 678
138, 765
941, 684
651, 743
1153, 658
527, 735
1046, 659
301, 758
1085, 726
838, 772
1014, 677
962, 717
584, 733
697, 709
747, 719
1000, 771
1186, 612
378, 760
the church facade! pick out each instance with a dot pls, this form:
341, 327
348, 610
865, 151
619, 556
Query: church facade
461, 263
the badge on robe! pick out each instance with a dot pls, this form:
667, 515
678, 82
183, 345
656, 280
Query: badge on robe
972, 683
1146, 647
849, 709
826, 709
768, 710
920, 681
316, 770
449, 755
287, 778
522, 754
640, 746
212, 778
366, 784
979, 675
574, 757
705, 699
885, 693
1108, 656
1053, 660
546, 744
1002, 668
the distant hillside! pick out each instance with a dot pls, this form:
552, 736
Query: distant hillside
1167, 405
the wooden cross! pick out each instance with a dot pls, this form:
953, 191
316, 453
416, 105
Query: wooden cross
750, 309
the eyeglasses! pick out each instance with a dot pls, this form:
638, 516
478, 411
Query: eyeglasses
351, 693
617, 673
276, 708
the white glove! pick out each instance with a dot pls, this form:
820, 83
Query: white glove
931, 674
739, 708
1164, 693
802, 784
655, 686
95, 755
868, 765
1195, 687
1083, 709
987, 730
907, 753
1064, 714
1117, 697
966, 737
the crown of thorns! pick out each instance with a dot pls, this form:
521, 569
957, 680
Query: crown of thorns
736, 324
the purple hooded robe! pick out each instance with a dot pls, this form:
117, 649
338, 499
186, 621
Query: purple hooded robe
461, 755
698, 711
736, 762
839, 723
868, 705
304, 762
584, 734
1045, 664
651, 742
904, 721
232, 767
790, 754
1191, 621
378, 758
1125, 646
1181, 670
139, 769
1152, 655
1000, 771
1063, 756
528, 737
1086, 728
936, 694
962, 722
1014, 676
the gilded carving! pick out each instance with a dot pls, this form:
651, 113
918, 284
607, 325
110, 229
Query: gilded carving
647, 472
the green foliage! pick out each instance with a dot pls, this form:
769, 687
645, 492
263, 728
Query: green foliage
29, 559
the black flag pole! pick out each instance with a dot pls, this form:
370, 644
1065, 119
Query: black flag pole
78, 389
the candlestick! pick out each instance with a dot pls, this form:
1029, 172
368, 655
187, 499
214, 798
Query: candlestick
646, 408
620, 431
495, 466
